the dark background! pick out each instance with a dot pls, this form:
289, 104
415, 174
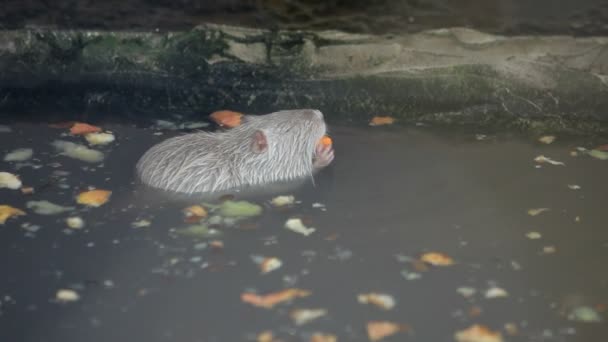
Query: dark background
576, 17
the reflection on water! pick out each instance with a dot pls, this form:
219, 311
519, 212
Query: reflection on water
391, 195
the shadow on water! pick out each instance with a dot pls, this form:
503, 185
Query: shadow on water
391, 193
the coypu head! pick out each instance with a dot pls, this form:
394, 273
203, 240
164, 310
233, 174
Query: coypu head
284, 142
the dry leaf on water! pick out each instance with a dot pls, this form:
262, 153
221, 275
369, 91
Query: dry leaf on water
478, 333
382, 120
270, 300
93, 198
437, 259
377, 330
6, 212
380, 300
226, 118
81, 128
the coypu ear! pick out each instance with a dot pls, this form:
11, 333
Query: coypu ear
259, 144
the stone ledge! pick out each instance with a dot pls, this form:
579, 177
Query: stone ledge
448, 76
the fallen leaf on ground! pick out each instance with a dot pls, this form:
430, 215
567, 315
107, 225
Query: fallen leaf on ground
296, 225
537, 211
6, 212
318, 337
47, 208
81, 128
478, 333
381, 300
77, 151
597, 154
437, 259
377, 330
20, 154
281, 201
303, 316
226, 118
66, 295
547, 139
270, 300
542, 159
381, 120
9, 180
99, 138
94, 198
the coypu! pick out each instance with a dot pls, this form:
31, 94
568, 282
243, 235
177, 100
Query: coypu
276, 147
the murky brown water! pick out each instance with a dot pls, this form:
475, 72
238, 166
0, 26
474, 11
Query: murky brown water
392, 193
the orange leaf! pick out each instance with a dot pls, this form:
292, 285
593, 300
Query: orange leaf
382, 120
94, 198
318, 337
226, 118
272, 299
437, 259
80, 128
6, 212
379, 330
478, 333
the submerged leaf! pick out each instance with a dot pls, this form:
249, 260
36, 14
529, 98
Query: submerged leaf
99, 138
47, 208
537, 211
478, 333
77, 151
381, 300
382, 120
543, 159
377, 330
80, 128
296, 225
303, 316
437, 259
547, 139
94, 198
597, 154
20, 154
200, 231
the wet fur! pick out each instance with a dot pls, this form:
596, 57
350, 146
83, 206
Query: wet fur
211, 162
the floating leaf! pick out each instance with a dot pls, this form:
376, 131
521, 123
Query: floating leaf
239, 209
533, 235
377, 330
547, 139
77, 151
574, 187
94, 198
537, 211
195, 213
47, 208
99, 138
200, 231
296, 225
270, 300
9, 180
382, 120
437, 259
383, 301
226, 118
20, 154
319, 337
597, 154
585, 314
542, 159
281, 201
66, 295
304, 316
267, 264
478, 333
75, 222
141, 224
80, 128
496, 292
6, 212
466, 292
